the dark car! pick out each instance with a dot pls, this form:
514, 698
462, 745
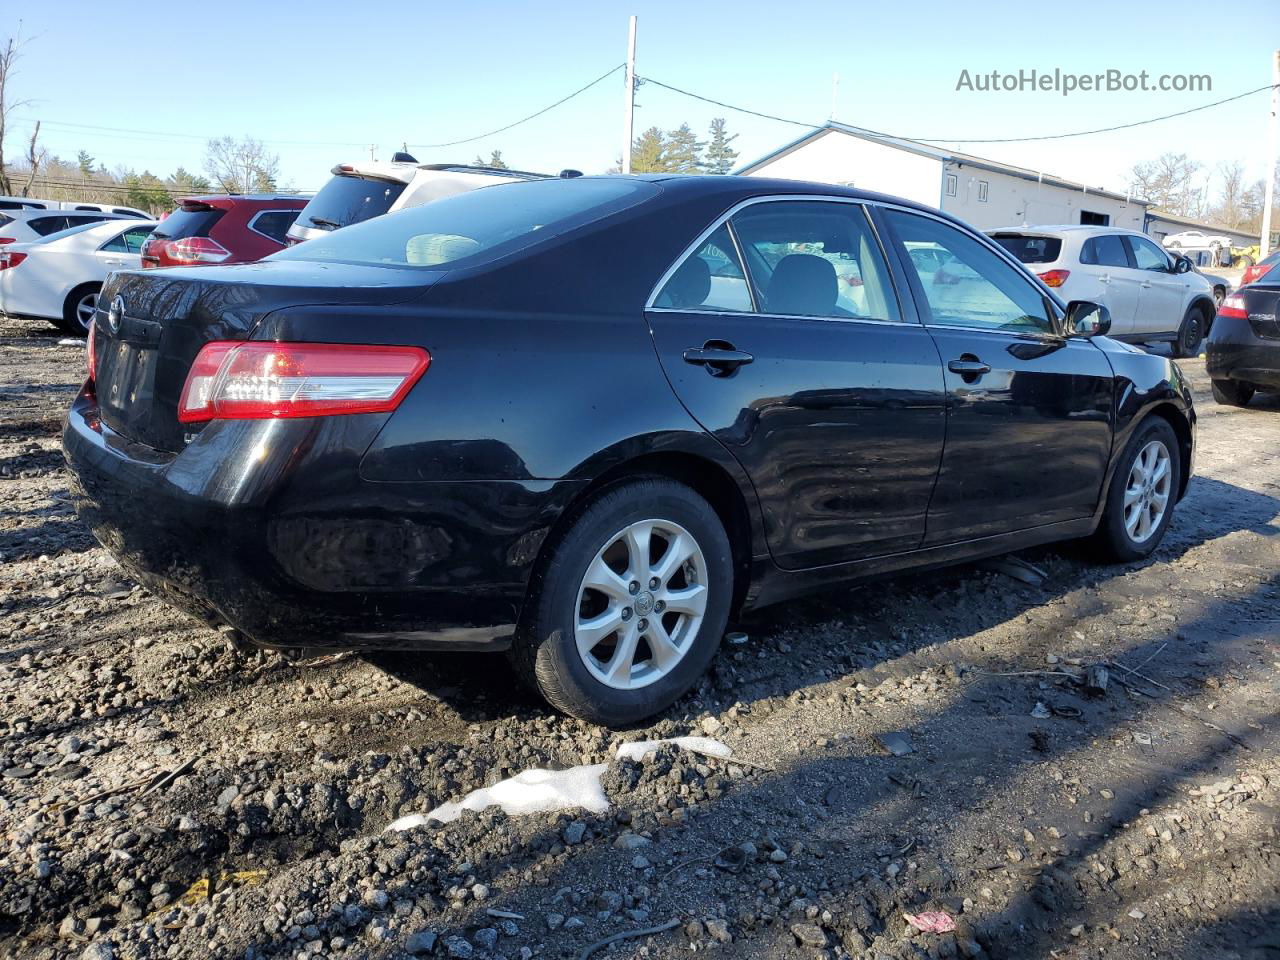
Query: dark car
1242, 355
234, 228
589, 421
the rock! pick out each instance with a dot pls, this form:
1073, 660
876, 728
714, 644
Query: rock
19, 773
809, 935
631, 841
574, 833
1041, 712
1136, 914
778, 856
711, 726
70, 745
458, 948
480, 892
99, 950
555, 921
424, 941
719, 931
486, 938
897, 743
641, 862
376, 899
228, 795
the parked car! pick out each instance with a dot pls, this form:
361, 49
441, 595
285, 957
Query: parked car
1196, 238
26, 203
1242, 356
104, 208
530, 419
234, 228
58, 277
1220, 286
1152, 296
361, 191
24, 226
1260, 269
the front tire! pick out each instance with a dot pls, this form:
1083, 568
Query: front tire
631, 606
1143, 491
1232, 394
1190, 334
79, 308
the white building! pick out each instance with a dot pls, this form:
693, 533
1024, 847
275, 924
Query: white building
984, 193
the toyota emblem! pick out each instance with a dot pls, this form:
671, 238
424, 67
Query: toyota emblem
115, 314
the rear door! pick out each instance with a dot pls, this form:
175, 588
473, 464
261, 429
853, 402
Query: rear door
811, 373
1161, 292
1028, 411
1106, 258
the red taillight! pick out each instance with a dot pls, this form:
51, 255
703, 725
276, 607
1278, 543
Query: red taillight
1054, 278
192, 250
8, 239
91, 354
1233, 306
257, 381
8, 260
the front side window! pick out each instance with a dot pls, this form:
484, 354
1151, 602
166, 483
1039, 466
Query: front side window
815, 259
1104, 251
274, 223
966, 284
478, 226
1147, 256
710, 278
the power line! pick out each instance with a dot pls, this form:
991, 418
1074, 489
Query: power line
454, 143
894, 136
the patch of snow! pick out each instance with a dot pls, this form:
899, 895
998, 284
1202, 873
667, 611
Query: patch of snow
544, 791
70, 342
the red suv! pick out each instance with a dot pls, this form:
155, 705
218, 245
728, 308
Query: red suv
228, 229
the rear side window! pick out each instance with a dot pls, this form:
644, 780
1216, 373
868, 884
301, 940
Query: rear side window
188, 222
5, 220
274, 223
1104, 251
710, 278
47, 225
1030, 249
478, 226
77, 220
346, 200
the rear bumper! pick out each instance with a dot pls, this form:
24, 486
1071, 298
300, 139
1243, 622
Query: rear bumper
268, 527
1235, 352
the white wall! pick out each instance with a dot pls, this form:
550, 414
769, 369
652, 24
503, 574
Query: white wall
1014, 201
838, 158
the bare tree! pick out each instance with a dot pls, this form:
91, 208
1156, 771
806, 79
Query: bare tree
241, 166
34, 159
8, 59
1230, 210
1169, 183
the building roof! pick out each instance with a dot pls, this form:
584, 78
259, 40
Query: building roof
1155, 214
938, 153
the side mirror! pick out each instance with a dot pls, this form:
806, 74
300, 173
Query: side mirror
1087, 319
1182, 265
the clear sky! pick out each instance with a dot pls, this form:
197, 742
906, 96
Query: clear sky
344, 75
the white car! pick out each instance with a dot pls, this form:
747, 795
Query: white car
1195, 238
1151, 295
58, 277
36, 203
361, 191
25, 226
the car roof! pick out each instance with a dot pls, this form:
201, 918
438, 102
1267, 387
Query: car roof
224, 201
746, 187
55, 212
1065, 228
94, 231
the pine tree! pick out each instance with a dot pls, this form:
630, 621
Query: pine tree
85, 161
649, 154
720, 156
684, 151
495, 161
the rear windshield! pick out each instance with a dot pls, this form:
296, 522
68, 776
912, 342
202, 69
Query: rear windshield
478, 226
1030, 249
345, 200
188, 222
69, 232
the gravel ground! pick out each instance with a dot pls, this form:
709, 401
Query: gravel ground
164, 795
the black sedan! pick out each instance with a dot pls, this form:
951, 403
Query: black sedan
589, 421
1242, 355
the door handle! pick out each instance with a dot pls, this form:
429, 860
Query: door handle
1146, 284
719, 361
1105, 278
969, 367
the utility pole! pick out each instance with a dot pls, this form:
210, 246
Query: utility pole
372, 147
835, 94
1273, 144
629, 103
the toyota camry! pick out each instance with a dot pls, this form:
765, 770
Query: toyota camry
590, 421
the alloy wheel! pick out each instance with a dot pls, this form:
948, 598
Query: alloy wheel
640, 604
1146, 493
86, 308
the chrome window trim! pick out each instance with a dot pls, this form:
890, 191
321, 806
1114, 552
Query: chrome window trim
788, 316
774, 198
250, 225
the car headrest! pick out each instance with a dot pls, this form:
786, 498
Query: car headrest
690, 285
802, 285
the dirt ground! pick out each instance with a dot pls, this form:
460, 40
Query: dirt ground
165, 796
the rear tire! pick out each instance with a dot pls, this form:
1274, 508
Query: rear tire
1231, 393
620, 652
78, 309
1190, 334
1143, 491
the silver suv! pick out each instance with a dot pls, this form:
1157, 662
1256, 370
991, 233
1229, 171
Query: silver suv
1151, 294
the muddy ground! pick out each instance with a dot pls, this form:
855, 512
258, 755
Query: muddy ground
1141, 822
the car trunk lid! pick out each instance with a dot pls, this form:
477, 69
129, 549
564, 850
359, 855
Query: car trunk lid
152, 324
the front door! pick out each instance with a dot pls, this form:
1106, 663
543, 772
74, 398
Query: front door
1028, 411
804, 365
1105, 258
1161, 291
